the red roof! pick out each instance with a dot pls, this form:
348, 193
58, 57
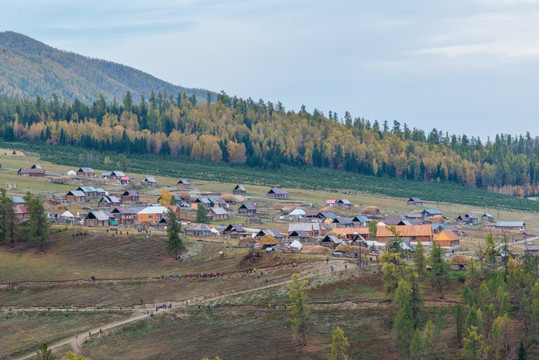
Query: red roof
21, 209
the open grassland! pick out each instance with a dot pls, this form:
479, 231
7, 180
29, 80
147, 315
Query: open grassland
22, 332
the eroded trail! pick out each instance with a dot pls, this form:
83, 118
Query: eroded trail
142, 313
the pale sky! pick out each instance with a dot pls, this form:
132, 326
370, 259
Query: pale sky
463, 66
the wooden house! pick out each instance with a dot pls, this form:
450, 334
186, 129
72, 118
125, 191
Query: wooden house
342, 222
275, 193
447, 239
21, 212
352, 233
361, 221
247, 209
239, 190
183, 184
97, 219
86, 172
330, 241
275, 233
235, 231
32, 172
312, 229
532, 250
116, 175
125, 180
126, 215
487, 218
130, 196
89, 191
343, 204
109, 201
200, 230
155, 213
513, 226
407, 233
331, 202
300, 236
430, 212
149, 181
217, 213
201, 201
414, 201
76, 196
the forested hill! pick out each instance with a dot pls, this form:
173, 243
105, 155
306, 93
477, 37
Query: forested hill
29, 68
265, 135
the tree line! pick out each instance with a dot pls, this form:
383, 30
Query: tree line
263, 134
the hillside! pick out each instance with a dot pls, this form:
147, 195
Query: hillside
29, 68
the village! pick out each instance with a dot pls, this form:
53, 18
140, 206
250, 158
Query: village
271, 222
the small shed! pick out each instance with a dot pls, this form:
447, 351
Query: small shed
239, 190
330, 241
130, 195
149, 181
217, 213
183, 184
86, 172
487, 218
275, 193
343, 204
97, 219
76, 196
247, 209
414, 201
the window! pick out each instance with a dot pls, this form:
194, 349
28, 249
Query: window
150, 216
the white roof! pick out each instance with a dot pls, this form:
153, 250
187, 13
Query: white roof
297, 212
67, 214
71, 173
296, 244
154, 210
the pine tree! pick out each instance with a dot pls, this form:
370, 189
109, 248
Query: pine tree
339, 345
202, 215
38, 227
490, 252
459, 319
474, 346
522, 354
175, 241
299, 309
419, 259
403, 322
416, 347
439, 269
44, 353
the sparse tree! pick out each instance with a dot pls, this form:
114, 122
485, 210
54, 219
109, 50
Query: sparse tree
439, 269
419, 259
474, 345
44, 353
71, 356
416, 347
38, 227
490, 252
175, 241
373, 226
299, 309
202, 215
339, 345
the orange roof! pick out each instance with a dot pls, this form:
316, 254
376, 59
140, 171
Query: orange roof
446, 235
405, 231
350, 231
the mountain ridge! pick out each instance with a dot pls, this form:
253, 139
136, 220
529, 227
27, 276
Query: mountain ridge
30, 68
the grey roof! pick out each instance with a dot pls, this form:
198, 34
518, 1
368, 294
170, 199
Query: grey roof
100, 190
127, 210
98, 215
327, 215
202, 200
415, 199
510, 223
219, 211
332, 238
344, 201
77, 193
277, 191
239, 187
86, 170
117, 173
185, 182
110, 199
234, 227
299, 233
531, 248
248, 206
87, 189
200, 227
150, 179
130, 193
432, 212
304, 227
36, 166
342, 220
31, 171
487, 215
272, 232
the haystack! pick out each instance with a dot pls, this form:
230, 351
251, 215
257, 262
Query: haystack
459, 260
435, 219
350, 249
184, 195
316, 249
228, 198
268, 240
373, 210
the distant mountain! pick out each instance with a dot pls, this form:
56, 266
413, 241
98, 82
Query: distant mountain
29, 68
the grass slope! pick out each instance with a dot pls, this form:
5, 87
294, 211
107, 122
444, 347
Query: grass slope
288, 177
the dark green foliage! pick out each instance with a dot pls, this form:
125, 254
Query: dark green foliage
522, 354
174, 241
38, 225
31, 68
202, 215
439, 269
44, 353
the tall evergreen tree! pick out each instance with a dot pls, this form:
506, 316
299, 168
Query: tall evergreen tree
339, 345
299, 309
419, 259
439, 269
202, 215
174, 241
38, 226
